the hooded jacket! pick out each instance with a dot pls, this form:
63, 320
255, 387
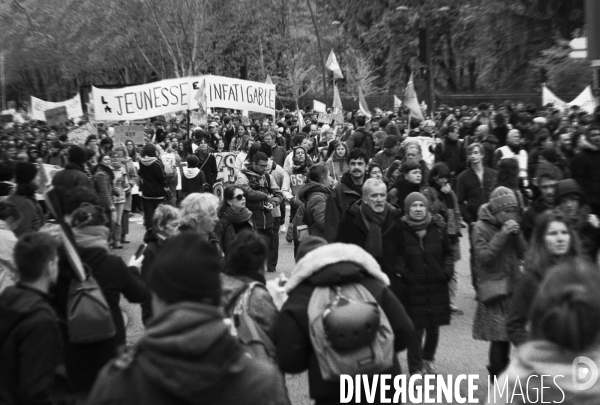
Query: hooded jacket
192, 181
340, 199
30, 347
321, 267
188, 356
314, 195
585, 167
152, 178
539, 358
72, 176
362, 139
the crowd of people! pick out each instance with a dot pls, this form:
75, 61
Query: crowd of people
375, 221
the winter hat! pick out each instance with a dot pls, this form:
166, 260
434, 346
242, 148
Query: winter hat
149, 150
414, 197
567, 186
501, 198
187, 269
77, 154
390, 142
25, 172
309, 244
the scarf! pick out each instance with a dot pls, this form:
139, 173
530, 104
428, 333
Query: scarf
447, 199
420, 227
106, 170
202, 155
92, 236
236, 217
374, 222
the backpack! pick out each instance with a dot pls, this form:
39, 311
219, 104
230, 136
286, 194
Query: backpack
375, 352
169, 162
252, 337
298, 228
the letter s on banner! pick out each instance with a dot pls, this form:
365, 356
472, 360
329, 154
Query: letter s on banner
580, 373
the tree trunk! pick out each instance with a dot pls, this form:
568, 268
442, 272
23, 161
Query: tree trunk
312, 16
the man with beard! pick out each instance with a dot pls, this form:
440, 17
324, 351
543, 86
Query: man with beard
548, 175
30, 338
374, 225
346, 193
586, 167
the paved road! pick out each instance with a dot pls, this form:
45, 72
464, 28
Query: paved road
457, 352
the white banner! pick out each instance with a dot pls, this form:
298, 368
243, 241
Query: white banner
237, 94
39, 107
174, 95
585, 100
549, 97
319, 107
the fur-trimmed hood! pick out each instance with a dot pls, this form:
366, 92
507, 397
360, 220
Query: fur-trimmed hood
331, 254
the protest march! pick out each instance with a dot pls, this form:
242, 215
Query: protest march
202, 236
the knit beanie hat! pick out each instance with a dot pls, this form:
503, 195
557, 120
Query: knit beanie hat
149, 150
391, 141
414, 197
309, 244
77, 154
501, 198
25, 172
187, 269
567, 186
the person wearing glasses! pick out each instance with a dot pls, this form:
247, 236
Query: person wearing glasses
234, 216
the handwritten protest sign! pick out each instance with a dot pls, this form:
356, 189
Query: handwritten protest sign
175, 95
79, 135
198, 118
325, 118
39, 107
56, 116
129, 132
225, 164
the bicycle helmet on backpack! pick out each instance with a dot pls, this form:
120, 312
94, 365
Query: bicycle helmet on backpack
351, 323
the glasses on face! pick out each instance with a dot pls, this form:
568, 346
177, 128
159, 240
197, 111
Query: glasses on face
239, 197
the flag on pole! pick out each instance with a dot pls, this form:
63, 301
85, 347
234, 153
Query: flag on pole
410, 100
337, 101
300, 120
362, 104
397, 102
333, 65
200, 96
268, 81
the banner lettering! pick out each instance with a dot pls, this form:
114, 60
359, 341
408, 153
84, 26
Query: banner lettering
39, 107
124, 133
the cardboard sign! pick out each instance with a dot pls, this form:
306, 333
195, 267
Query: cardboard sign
130, 132
225, 165
56, 116
325, 118
198, 118
79, 135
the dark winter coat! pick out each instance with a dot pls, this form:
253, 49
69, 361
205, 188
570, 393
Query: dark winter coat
528, 222
209, 168
295, 352
426, 266
314, 195
225, 231
30, 347
104, 187
585, 168
192, 181
152, 178
472, 194
84, 361
188, 356
258, 189
72, 176
353, 230
341, 198
453, 154
32, 217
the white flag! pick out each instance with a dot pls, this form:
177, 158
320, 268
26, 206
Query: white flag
397, 102
333, 65
268, 81
411, 102
362, 104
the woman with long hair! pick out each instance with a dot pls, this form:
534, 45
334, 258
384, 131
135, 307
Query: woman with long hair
121, 187
233, 215
336, 159
565, 328
553, 241
236, 144
242, 154
207, 162
103, 179
132, 179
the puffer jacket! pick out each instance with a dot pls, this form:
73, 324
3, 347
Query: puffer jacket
426, 266
188, 356
321, 267
314, 195
498, 255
